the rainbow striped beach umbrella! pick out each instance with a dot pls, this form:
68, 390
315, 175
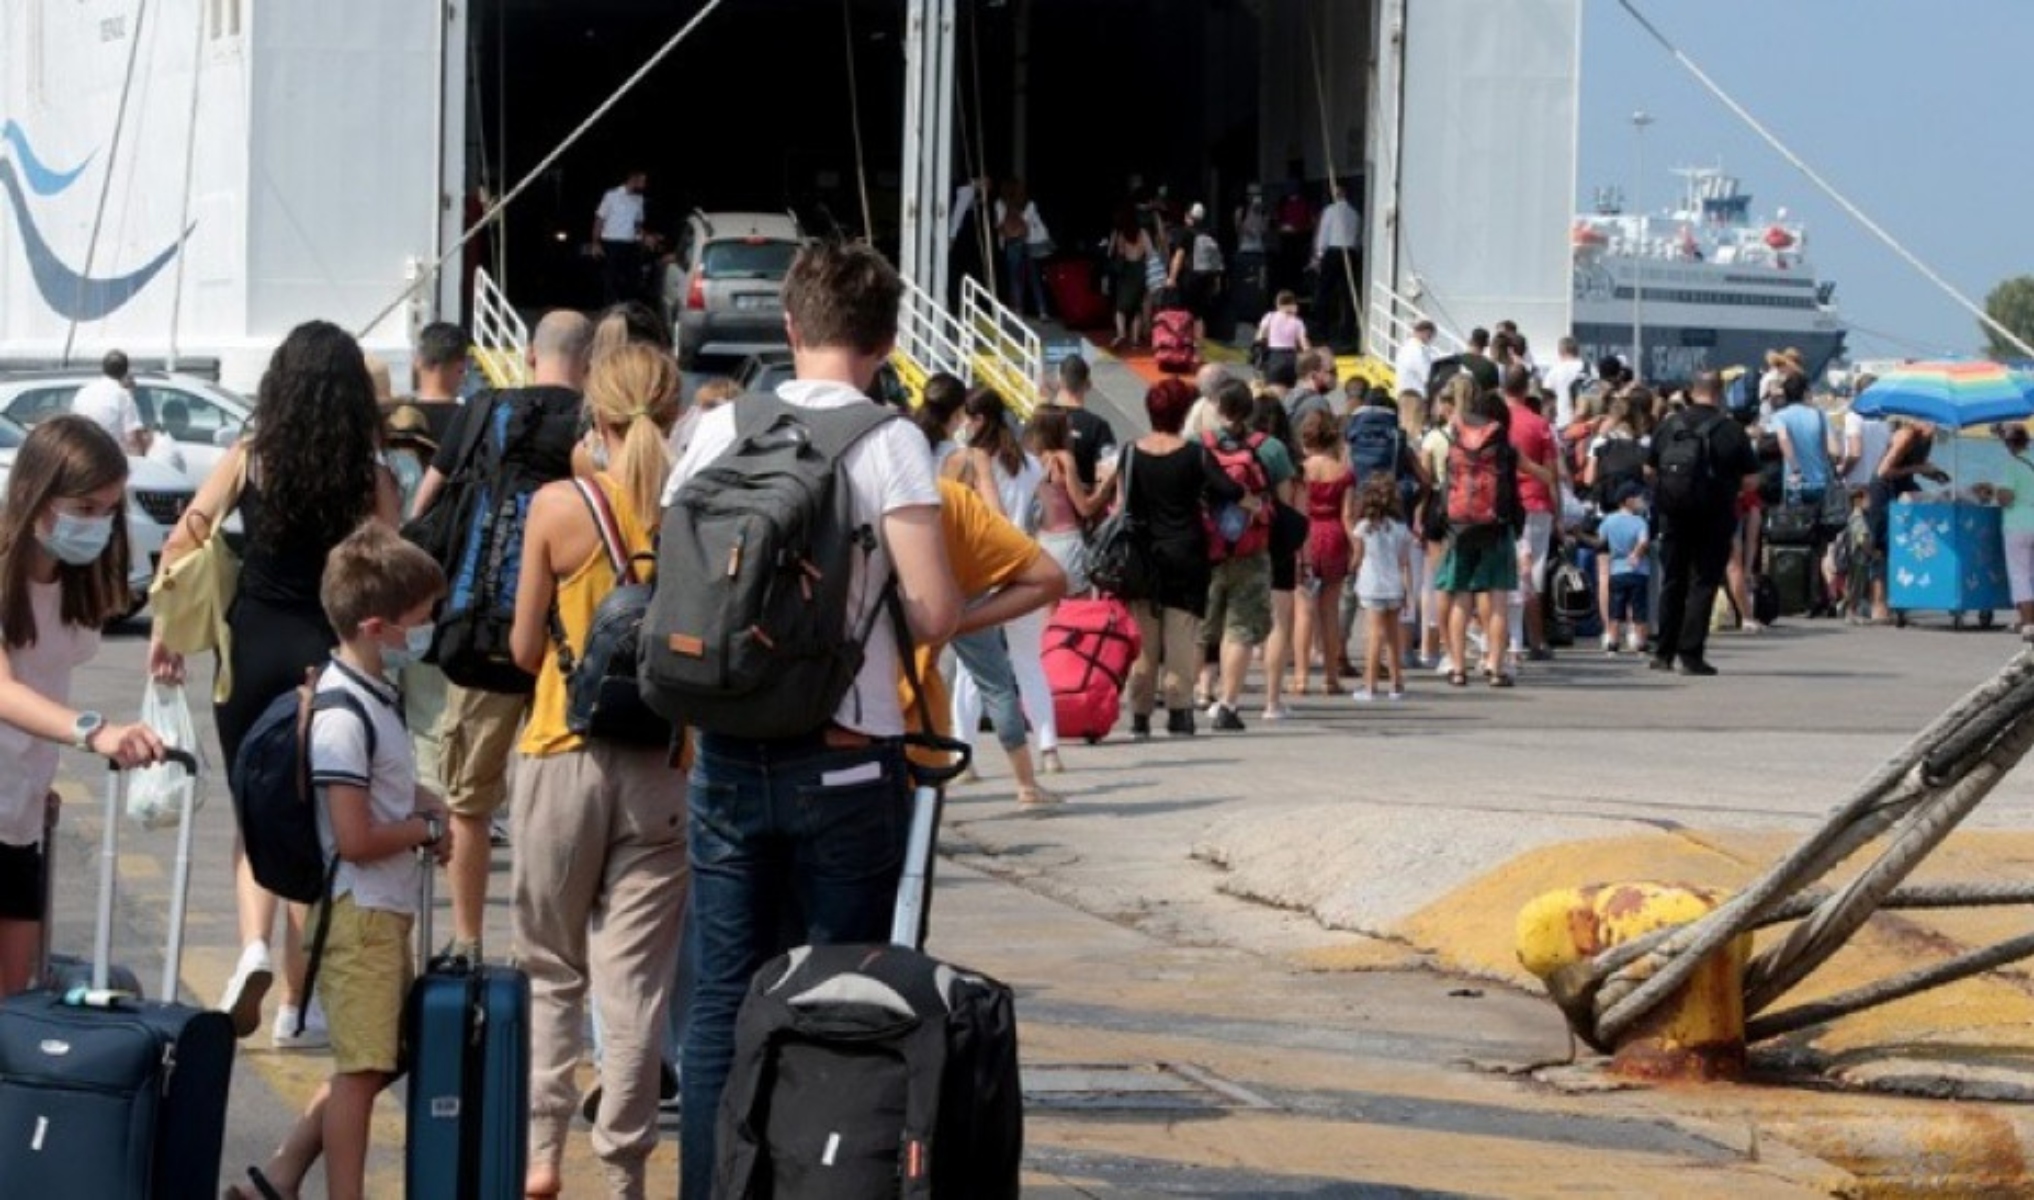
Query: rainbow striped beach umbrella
1950, 394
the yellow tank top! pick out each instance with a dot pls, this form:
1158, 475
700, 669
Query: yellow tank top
578, 594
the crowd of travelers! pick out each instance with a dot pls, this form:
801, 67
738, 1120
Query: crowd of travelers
1274, 523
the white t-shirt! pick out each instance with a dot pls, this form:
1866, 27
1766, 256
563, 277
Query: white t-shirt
339, 754
1414, 366
888, 470
28, 764
111, 407
1560, 380
1380, 578
621, 215
1874, 436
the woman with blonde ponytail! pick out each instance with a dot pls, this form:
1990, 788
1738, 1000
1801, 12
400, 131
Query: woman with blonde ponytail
598, 826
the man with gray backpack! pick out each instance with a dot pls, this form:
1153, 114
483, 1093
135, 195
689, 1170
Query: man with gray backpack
801, 545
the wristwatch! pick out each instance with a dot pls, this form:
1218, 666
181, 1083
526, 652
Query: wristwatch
432, 827
87, 724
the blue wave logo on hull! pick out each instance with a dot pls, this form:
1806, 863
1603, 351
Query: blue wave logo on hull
70, 293
41, 180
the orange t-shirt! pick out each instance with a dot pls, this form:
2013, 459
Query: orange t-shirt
985, 552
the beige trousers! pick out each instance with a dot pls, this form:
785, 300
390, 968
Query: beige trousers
601, 877
1172, 644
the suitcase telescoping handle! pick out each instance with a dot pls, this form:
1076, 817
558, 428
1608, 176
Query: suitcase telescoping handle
109, 869
907, 926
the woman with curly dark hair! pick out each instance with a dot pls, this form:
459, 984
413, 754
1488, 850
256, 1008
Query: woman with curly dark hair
305, 477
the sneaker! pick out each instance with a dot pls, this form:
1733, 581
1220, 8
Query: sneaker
314, 1037
1228, 720
1179, 722
1657, 663
247, 988
1610, 647
1140, 728
1275, 713
1363, 695
1443, 667
1397, 694
1036, 799
1696, 666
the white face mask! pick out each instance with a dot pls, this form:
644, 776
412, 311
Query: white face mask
75, 540
416, 644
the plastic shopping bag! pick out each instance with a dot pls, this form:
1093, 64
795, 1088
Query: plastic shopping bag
155, 795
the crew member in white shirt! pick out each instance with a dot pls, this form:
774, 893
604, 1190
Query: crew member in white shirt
618, 237
108, 402
1561, 379
1338, 239
1414, 363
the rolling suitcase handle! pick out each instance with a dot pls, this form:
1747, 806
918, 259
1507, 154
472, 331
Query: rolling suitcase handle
908, 925
180, 884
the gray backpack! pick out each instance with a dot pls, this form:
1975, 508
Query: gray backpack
747, 634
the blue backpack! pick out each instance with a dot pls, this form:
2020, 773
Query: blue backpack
278, 810
1377, 446
1741, 395
272, 796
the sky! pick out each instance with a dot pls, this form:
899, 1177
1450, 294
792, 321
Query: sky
1918, 111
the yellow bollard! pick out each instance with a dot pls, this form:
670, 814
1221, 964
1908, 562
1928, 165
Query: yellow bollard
1696, 1033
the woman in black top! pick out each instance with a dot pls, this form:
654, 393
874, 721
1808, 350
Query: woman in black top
1167, 482
305, 478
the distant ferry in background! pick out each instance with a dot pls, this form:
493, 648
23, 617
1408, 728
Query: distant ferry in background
1720, 289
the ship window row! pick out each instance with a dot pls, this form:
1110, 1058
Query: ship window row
1725, 299
1768, 281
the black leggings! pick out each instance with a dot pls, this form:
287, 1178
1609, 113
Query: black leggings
273, 646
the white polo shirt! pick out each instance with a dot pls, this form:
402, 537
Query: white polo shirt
621, 215
109, 405
340, 753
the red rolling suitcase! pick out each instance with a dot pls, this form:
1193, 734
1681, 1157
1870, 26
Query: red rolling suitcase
1072, 285
1089, 646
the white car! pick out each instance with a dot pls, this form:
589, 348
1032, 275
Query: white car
199, 418
156, 499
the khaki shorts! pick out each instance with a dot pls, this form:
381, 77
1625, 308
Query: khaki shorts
1239, 602
363, 980
476, 734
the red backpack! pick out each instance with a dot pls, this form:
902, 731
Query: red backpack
1476, 475
1233, 531
1172, 341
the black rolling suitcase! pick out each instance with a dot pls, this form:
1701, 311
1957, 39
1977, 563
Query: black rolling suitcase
874, 1071
106, 1095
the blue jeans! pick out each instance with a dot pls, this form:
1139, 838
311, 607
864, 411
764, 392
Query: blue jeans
778, 827
983, 656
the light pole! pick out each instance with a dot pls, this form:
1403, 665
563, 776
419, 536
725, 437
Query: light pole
1639, 121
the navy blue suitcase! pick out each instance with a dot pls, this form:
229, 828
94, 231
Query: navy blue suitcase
467, 1033
106, 1095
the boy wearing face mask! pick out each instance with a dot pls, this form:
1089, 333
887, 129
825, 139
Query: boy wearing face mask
378, 591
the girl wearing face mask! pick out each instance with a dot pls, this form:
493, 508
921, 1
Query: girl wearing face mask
304, 479
598, 824
63, 574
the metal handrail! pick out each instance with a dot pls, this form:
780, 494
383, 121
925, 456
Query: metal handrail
501, 340
1006, 351
1392, 317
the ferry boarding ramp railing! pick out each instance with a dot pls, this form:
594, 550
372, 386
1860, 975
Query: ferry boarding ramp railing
987, 344
1392, 317
501, 340
1004, 352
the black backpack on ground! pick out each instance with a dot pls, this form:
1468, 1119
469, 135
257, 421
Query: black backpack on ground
1687, 478
747, 633
490, 498
603, 699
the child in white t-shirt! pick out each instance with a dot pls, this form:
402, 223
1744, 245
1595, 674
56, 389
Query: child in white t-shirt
1381, 560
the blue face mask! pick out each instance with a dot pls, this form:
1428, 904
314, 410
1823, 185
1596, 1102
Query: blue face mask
76, 540
416, 644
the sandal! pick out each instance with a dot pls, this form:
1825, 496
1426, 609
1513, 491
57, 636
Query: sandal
1502, 681
1458, 679
1037, 799
263, 1189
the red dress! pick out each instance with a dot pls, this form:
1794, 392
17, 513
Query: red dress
1327, 537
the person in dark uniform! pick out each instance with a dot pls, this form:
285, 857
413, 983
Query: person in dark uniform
1695, 537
